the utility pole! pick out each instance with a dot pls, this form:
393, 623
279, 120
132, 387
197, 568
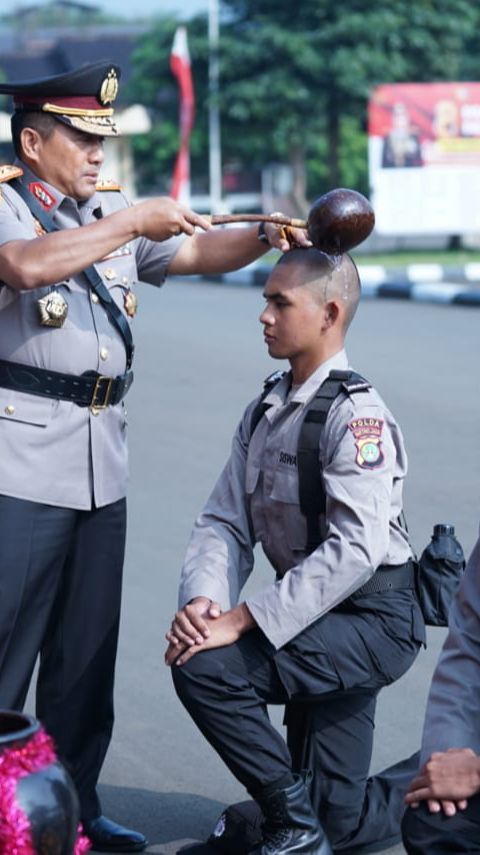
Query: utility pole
214, 143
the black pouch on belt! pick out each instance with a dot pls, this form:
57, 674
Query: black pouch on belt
439, 572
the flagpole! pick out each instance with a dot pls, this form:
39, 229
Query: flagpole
215, 156
180, 67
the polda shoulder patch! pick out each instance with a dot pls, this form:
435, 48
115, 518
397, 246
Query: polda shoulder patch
368, 433
108, 184
7, 172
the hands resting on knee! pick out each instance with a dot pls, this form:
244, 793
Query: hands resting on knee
446, 781
201, 625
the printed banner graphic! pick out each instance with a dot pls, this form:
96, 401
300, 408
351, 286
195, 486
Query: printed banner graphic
424, 154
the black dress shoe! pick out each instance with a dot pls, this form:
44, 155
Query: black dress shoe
108, 836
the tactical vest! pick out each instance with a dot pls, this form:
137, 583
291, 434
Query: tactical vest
436, 576
311, 490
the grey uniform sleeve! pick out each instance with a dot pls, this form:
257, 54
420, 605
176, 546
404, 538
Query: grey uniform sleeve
219, 556
16, 222
154, 258
358, 483
453, 711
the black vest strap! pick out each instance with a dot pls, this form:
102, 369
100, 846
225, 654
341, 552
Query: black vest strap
261, 406
94, 279
310, 475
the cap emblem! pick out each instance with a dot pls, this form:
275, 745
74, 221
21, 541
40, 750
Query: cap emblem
109, 88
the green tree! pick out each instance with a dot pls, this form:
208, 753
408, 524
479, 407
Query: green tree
295, 78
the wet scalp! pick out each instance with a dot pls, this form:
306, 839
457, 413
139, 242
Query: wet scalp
328, 277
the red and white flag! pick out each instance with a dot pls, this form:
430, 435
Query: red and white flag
180, 67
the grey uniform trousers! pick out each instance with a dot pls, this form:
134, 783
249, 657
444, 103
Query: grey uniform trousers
329, 675
60, 588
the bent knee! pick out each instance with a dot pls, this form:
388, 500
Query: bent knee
202, 668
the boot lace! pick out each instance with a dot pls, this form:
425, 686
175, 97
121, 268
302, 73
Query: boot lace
274, 838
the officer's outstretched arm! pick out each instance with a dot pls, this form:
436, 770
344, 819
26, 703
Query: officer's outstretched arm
27, 263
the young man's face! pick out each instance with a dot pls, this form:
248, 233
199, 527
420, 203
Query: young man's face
293, 318
70, 160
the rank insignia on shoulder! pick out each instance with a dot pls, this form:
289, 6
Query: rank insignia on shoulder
108, 184
367, 433
8, 172
41, 193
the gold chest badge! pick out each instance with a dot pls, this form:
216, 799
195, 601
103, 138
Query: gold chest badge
130, 303
53, 310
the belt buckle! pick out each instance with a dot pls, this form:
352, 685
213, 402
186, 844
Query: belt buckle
96, 406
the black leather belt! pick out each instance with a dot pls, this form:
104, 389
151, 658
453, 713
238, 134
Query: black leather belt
89, 389
388, 578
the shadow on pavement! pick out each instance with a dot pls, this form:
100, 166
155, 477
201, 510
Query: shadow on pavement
163, 817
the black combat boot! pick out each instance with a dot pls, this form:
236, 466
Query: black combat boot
290, 824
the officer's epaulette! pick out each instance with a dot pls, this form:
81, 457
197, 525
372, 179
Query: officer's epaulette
8, 172
108, 184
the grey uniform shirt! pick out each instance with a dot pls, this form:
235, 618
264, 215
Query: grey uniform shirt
53, 451
256, 500
453, 711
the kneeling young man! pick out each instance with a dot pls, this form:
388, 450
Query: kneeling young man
340, 619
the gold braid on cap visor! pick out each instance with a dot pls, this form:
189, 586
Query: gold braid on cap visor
77, 111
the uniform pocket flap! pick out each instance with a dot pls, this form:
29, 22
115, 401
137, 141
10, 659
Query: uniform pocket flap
285, 486
251, 479
31, 409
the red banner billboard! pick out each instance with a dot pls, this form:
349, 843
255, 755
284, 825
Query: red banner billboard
424, 143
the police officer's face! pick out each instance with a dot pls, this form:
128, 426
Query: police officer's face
70, 160
294, 318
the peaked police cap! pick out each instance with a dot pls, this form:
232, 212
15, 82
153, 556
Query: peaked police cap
81, 98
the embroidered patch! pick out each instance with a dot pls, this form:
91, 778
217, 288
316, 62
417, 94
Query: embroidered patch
41, 193
367, 433
287, 459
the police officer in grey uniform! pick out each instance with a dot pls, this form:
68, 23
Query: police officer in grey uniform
444, 816
71, 256
323, 635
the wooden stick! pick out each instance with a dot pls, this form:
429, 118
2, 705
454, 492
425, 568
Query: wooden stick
219, 219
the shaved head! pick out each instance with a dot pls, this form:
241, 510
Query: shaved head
328, 278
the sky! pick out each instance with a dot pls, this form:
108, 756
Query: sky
183, 8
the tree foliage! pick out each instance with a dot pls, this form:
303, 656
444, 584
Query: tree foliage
295, 82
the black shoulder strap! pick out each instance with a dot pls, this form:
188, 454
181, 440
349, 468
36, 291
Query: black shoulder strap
310, 478
261, 407
91, 273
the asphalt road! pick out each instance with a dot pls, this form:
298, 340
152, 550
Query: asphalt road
200, 358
